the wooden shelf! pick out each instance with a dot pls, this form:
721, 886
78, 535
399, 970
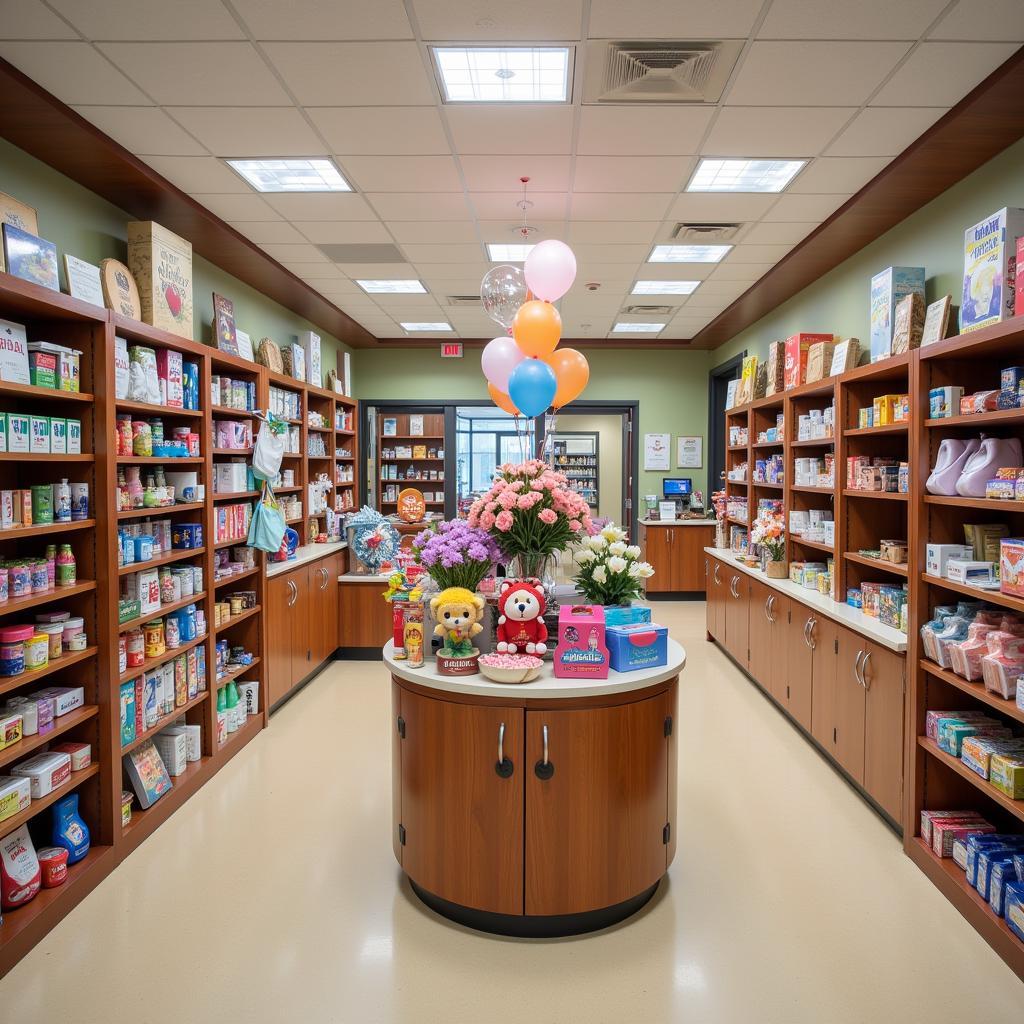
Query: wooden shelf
9, 389
8, 825
41, 531
224, 580
236, 619
240, 453
176, 555
41, 457
22, 604
765, 484
897, 568
768, 444
816, 544
736, 448
234, 673
236, 495
164, 721
976, 690
998, 341
414, 458
226, 410
159, 460
738, 522
981, 420
287, 490
737, 483
161, 612
411, 480
232, 541
123, 405
412, 437
983, 503
253, 724
992, 596
1015, 807
889, 428
807, 489
814, 442
63, 724
853, 492
162, 510
9, 683
320, 430
150, 663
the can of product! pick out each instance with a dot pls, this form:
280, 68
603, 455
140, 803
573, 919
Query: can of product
3, 584
193, 445
53, 631
237, 604
40, 576
412, 639
79, 502
166, 586
20, 579
124, 435
172, 635
42, 504
78, 642
37, 652
143, 545
153, 640
136, 648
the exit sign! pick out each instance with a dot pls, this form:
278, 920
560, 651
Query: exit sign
451, 350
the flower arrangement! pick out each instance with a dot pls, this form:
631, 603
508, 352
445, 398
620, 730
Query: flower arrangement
456, 554
611, 571
531, 510
770, 534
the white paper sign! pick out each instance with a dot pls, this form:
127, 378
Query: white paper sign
13, 353
689, 452
348, 374
311, 343
244, 345
83, 280
657, 451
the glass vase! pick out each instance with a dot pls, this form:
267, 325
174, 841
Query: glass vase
539, 565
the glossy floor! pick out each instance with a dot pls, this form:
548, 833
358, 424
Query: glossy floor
273, 896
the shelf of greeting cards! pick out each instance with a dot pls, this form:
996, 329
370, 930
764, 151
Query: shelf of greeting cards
1015, 807
61, 725
160, 510
992, 596
175, 555
1001, 340
150, 663
980, 420
888, 428
164, 609
896, 568
148, 409
737, 483
8, 825
9, 683
828, 549
11, 390
993, 504
163, 721
977, 690
14, 532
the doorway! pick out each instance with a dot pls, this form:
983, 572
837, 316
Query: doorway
718, 388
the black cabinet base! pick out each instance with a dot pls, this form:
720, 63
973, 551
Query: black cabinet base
534, 927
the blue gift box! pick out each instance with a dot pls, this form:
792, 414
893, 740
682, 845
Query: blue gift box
626, 615
637, 646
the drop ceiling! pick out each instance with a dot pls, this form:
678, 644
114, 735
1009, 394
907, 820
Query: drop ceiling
846, 87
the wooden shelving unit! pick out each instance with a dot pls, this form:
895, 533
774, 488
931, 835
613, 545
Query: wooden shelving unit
414, 469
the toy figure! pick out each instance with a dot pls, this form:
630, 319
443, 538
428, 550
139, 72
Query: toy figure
521, 619
458, 612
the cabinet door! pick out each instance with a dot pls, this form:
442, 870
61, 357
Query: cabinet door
582, 852
780, 609
883, 672
458, 813
279, 644
299, 625
760, 626
800, 665
323, 595
824, 637
719, 586
689, 556
848, 735
656, 551
737, 629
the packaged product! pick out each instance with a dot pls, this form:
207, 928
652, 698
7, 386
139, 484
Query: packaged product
1006, 844
11, 728
148, 776
69, 830
53, 866
1011, 566
887, 289
15, 795
977, 751
173, 747
1006, 773
928, 817
1000, 875
80, 753
989, 269
19, 869
45, 772
945, 831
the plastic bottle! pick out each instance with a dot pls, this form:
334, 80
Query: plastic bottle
51, 564
134, 487
62, 502
222, 715
231, 704
124, 501
67, 567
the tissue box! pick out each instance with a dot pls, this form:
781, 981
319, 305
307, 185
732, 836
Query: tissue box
581, 652
15, 795
965, 570
1011, 566
45, 772
638, 646
65, 698
943, 402
937, 555
629, 615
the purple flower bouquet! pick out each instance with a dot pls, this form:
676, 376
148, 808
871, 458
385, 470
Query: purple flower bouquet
456, 554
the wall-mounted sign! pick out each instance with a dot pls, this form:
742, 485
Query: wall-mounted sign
657, 451
689, 452
451, 350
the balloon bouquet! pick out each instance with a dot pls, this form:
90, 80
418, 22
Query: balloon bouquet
527, 373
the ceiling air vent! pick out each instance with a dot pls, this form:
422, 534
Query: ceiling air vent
462, 300
648, 310
705, 234
658, 71
385, 253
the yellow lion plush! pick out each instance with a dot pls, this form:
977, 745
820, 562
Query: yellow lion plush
458, 612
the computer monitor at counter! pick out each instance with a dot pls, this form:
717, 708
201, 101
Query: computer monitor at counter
674, 487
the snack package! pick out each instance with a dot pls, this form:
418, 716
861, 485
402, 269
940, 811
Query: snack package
20, 878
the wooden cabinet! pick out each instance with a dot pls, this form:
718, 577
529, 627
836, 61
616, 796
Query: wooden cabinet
657, 551
883, 674
760, 629
780, 609
737, 608
848, 726
282, 593
322, 582
717, 585
677, 554
364, 618
800, 664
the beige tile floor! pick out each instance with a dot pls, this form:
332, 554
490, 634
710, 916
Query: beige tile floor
273, 896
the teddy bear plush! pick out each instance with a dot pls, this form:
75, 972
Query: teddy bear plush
457, 612
521, 619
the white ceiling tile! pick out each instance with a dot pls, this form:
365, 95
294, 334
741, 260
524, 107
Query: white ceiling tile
327, 274
218, 74
381, 130
774, 131
840, 19
374, 271
756, 254
612, 231
941, 74
718, 289
835, 174
642, 130
143, 130
306, 268
459, 252
29, 19
884, 131
237, 207
443, 285
339, 232
749, 272
510, 231
261, 231
198, 174
515, 128
820, 74
581, 304
630, 173
502, 173
296, 252
250, 131
997, 20
149, 19
590, 252
804, 208
325, 19
363, 74
603, 206
433, 231
534, 21
410, 174
547, 206
451, 271
322, 206
608, 275
411, 206
674, 271
73, 72
590, 327
668, 19
714, 208
778, 234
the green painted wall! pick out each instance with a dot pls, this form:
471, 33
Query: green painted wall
79, 222
932, 237
671, 387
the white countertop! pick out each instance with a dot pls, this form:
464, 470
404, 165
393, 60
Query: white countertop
365, 577
304, 554
842, 613
546, 686
678, 522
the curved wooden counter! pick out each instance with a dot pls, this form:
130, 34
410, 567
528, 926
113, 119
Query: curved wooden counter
496, 835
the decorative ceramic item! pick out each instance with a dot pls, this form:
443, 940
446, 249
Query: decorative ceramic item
120, 292
457, 612
510, 668
412, 507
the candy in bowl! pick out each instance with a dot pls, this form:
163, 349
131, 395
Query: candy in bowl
510, 668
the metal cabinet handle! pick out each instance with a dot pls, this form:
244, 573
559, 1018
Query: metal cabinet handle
809, 632
544, 769
732, 586
717, 567
293, 590
864, 671
503, 767
856, 668
323, 574
768, 609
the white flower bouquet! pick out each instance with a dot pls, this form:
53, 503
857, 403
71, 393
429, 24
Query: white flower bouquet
610, 570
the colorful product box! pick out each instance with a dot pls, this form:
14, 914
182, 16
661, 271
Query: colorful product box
1013, 908
74, 435
169, 372
15, 795
945, 832
990, 264
797, 347
629, 615
1018, 299
938, 555
943, 402
39, 435
42, 368
929, 817
887, 289
58, 436
636, 647
1006, 773
1011, 566
580, 652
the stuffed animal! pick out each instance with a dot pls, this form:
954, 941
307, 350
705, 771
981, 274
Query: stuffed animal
521, 619
457, 612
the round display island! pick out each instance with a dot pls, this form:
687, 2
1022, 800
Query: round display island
540, 809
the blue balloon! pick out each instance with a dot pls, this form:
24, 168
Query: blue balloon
532, 387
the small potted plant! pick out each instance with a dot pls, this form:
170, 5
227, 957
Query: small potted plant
611, 571
768, 533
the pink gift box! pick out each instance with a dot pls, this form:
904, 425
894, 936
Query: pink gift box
581, 652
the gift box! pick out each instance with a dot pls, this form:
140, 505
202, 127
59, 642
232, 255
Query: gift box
626, 615
644, 645
581, 652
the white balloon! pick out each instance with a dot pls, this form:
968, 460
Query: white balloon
502, 292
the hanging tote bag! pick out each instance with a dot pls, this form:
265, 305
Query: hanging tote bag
266, 456
266, 531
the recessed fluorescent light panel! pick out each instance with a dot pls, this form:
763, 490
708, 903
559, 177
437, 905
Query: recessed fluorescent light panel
624, 328
665, 287
503, 74
687, 253
500, 252
294, 174
744, 175
424, 328
392, 287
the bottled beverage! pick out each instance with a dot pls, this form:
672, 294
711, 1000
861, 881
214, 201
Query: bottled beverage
67, 567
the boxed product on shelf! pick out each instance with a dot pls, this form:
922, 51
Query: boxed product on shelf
946, 831
944, 402
928, 817
161, 263
173, 748
977, 751
796, 351
1001, 875
937, 557
147, 774
1011, 566
1006, 773
819, 361
15, 795
637, 646
887, 289
970, 571
45, 772
989, 269
776, 367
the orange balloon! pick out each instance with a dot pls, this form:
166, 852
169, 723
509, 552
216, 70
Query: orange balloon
501, 400
537, 328
572, 371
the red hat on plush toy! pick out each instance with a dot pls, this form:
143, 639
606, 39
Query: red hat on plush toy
521, 628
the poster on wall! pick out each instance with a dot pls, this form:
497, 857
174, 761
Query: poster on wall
689, 452
657, 451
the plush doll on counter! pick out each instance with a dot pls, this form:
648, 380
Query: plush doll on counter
457, 612
521, 626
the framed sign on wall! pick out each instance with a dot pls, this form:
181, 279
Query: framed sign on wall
690, 452
657, 451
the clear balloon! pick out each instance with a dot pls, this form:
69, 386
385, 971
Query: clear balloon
537, 328
498, 359
532, 387
550, 269
501, 400
502, 292
572, 371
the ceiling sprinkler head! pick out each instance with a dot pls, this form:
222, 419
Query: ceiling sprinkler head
525, 230
504, 73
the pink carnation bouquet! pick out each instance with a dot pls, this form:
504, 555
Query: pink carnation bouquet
531, 511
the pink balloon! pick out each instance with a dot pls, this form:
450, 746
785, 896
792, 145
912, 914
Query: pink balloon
498, 359
550, 269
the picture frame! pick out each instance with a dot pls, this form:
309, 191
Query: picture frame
84, 281
657, 449
31, 258
936, 320
390, 426
689, 451
224, 329
19, 215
